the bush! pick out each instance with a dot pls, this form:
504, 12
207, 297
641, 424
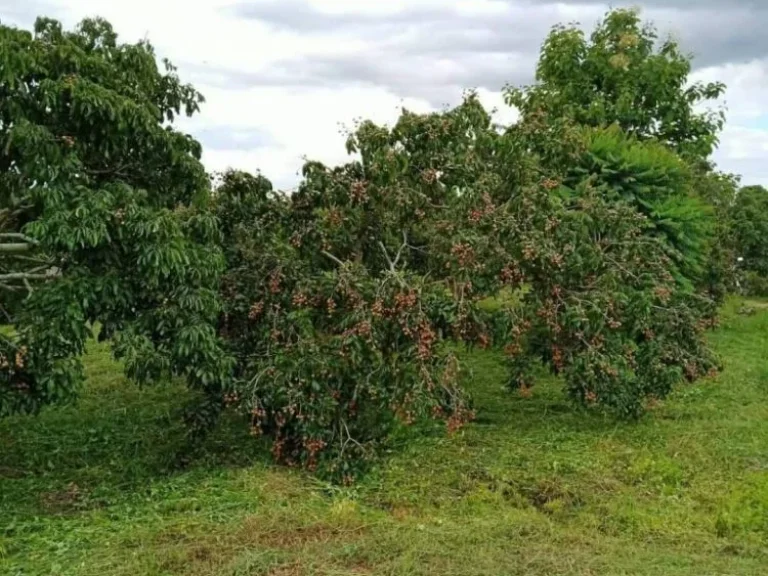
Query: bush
755, 284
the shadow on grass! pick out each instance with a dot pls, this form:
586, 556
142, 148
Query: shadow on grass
118, 438
121, 439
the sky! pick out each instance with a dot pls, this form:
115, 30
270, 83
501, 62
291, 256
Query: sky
283, 79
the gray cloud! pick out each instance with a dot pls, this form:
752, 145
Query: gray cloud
409, 75
299, 15
715, 30
434, 52
429, 53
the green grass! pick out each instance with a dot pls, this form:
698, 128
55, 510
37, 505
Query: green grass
534, 487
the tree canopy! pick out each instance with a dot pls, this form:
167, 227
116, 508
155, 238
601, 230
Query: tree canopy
332, 315
103, 214
621, 74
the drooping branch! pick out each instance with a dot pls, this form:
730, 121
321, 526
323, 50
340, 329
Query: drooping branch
332, 257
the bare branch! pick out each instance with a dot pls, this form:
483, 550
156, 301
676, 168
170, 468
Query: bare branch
35, 260
7, 315
332, 257
18, 236
51, 273
386, 255
400, 250
393, 263
15, 248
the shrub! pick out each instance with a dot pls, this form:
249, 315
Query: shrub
755, 284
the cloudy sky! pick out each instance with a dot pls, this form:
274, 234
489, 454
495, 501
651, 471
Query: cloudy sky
283, 77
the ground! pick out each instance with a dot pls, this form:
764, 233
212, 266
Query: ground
533, 487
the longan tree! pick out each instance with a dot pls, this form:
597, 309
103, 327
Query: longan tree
102, 209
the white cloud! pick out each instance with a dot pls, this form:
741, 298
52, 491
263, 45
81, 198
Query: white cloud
301, 121
741, 144
746, 95
744, 142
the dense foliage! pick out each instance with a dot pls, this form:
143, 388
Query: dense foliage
103, 215
658, 153
340, 298
621, 74
659, 185
331, 315
334, 346
749, 225
603, 308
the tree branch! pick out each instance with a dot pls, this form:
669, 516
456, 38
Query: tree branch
18, 236
400, 251
386, 255
15, 248
48, 262
332, 257
51, 273
393, 264
117, 171
9, 287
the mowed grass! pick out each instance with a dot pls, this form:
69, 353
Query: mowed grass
534, 486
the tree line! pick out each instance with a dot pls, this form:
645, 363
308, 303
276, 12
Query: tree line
594, 236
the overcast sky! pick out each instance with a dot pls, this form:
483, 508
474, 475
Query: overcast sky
281, 77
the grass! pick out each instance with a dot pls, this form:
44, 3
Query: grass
534, 487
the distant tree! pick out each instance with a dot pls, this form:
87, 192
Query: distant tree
622, 75
719, 190
102, 215
616, 100
749, 227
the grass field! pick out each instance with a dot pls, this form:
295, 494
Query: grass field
534, 487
